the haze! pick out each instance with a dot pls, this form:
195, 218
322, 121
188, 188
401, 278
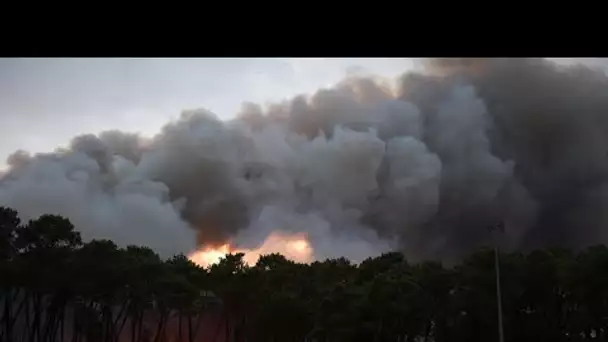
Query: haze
45, 102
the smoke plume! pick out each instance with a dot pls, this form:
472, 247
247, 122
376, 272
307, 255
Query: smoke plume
361, 168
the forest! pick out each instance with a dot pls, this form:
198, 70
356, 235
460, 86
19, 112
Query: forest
54, 287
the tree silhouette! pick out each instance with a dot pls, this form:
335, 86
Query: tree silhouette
54, 287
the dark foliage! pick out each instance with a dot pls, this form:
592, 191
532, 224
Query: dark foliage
55, 288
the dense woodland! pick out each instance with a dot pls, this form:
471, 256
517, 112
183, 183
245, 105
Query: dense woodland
54, 287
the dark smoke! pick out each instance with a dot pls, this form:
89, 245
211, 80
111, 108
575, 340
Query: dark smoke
362, 168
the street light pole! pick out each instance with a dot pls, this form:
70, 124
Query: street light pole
501, 337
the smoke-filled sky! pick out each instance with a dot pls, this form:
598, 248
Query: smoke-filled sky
45, 102
423, 163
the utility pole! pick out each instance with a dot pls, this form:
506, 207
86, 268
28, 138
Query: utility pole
499, 228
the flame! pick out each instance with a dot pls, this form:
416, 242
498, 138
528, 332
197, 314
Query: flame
295, 247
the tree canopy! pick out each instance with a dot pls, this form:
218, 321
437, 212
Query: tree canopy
54, 287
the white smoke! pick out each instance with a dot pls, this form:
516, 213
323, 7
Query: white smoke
359, 169
122, 207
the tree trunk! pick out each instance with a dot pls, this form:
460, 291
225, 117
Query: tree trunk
140, 325
160, 326
54, 310
122, 325
61, 324
217, 329
190, 334
199, 320
61, 330
228, 337
427, 331
117, 329
15, 316
26, 325
48, 326
75, 324
179, 326
133, 326
6, 317
35, 328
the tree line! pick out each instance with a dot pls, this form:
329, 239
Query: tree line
54, 287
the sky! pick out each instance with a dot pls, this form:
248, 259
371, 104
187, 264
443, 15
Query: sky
45, 102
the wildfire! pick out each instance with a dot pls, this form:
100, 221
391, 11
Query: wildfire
294, 247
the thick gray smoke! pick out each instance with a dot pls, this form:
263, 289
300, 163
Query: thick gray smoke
361, 168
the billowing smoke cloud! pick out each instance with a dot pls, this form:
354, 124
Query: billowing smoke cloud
361, 168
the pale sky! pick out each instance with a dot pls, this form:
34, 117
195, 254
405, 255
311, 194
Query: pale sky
45, 102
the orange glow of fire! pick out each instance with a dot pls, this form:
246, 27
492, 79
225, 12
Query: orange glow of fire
294, 247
